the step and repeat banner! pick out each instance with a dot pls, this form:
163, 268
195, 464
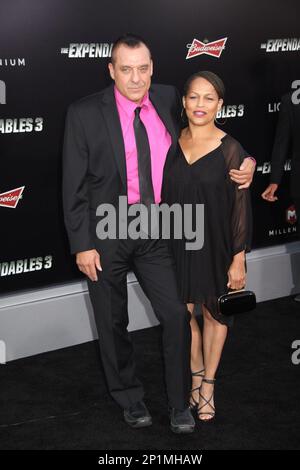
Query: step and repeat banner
53, 52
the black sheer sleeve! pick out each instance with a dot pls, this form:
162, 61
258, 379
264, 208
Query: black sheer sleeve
241, 213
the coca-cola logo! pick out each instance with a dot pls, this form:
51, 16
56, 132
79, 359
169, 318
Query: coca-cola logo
213, 48
11, 198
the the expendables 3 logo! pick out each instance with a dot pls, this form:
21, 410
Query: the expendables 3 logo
82, 51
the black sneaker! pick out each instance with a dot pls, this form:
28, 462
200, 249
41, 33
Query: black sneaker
182, 421
137, 415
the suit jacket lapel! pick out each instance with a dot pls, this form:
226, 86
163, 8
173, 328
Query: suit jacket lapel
164, 113
111, 117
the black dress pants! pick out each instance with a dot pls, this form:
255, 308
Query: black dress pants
154, 268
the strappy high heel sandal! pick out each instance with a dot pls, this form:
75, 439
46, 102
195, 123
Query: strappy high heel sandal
193, 403
211, 413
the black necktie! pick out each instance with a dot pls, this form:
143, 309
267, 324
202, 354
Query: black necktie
144, 160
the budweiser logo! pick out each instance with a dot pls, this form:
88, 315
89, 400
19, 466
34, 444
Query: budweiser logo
11, 198
214, 48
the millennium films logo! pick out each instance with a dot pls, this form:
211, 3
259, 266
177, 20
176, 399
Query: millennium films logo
291, 215
2, 92
11, 198
12, 62
281, 45
214, 48
83, 51
291, 220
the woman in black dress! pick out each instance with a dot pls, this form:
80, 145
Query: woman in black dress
198, 174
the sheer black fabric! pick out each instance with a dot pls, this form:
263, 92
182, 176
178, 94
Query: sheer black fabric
202, 273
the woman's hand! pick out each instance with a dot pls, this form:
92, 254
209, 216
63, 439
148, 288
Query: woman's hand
237, 272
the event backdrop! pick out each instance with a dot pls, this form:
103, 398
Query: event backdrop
52, 52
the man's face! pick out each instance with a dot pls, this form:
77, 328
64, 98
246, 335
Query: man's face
132, 71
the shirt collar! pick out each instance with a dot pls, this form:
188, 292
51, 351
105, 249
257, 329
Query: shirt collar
129, 106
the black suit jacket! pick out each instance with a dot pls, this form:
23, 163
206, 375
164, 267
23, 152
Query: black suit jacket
94, 162
287, 142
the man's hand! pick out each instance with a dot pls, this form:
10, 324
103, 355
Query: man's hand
87, 262
269, 193
244, 175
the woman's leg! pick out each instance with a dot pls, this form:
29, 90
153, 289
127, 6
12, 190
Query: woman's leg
196, 354
214, 336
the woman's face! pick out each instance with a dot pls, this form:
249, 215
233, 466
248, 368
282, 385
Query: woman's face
201, 102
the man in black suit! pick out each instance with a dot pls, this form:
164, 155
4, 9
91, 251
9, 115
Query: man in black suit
286, 144
109, 152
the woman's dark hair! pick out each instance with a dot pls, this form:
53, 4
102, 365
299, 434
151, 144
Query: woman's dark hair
211, 77
129, 40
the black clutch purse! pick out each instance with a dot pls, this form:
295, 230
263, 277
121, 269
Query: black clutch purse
236, 301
